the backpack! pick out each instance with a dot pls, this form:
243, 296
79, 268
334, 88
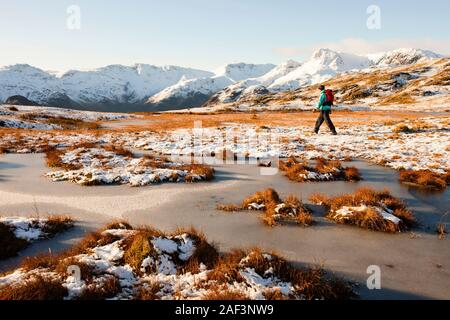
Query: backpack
330, 98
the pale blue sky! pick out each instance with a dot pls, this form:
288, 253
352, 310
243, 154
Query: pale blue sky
209, 33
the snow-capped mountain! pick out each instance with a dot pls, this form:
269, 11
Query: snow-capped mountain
115, 84
401, 57
146, 87
242, 71
30, 82
194, 92
188, 92
323, 65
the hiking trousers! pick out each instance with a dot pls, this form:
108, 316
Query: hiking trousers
324, 116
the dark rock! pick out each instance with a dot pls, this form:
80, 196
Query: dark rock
428, 93
20, 101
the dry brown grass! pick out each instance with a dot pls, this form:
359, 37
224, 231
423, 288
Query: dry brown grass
108, 288
352, 174
149, 291
118, 224
397, 98
354, 93
34, 288
64, 123
368, 219
120, 151
224, 294
229, 207
311, 283
53, 160
425, 178
296, 170
44, 260
10, 245
266, 197
52, 261
318, 198
84, 145
62, 265
275, 210
302, 214
442, 78
153, 161
56, 224
73, 124
226, 269
204, 253
194, 170
441, 230
139, 248
171, 121
402, 128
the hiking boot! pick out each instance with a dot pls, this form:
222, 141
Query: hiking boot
335, 133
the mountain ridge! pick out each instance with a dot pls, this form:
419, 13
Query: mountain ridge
145, 87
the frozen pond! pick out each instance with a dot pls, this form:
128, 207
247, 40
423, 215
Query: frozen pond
414, 265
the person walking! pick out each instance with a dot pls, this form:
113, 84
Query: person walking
324, 106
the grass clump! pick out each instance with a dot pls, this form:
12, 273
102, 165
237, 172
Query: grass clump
274, 209
324, 170
265, 198
149, 291
10, 244
369, 209
57, 224
53, 158
63, 122
310, 283
402, 128
214, 276
205, 253
206, 173
106, 287
34, 288
139, 248
425, 178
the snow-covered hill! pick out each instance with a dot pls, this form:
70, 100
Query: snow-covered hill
242, 71
323, 65
194, 92
146, 87
188, 92
402, 57
115, 84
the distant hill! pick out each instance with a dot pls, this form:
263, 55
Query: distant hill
143, 87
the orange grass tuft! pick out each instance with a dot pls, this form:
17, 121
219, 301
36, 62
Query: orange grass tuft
425, 178
298, 171
34, 288
369, 218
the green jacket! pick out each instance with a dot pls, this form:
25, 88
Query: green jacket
322, 100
